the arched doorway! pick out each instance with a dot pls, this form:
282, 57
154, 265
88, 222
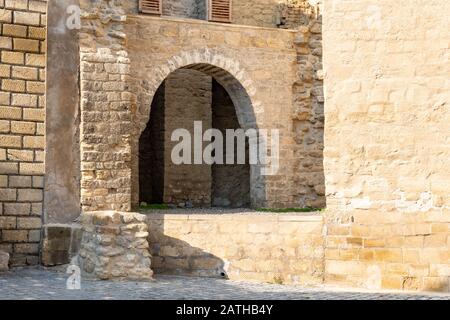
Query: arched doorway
188, 98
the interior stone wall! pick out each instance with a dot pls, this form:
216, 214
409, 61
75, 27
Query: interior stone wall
151, 153
230, 182
188, 98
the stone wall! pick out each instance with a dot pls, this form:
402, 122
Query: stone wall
22, 115
308, 116
241, 59
230, 182
269, 248
106, 109
195, 9
188, 99
287, 14
386, 144
151, 152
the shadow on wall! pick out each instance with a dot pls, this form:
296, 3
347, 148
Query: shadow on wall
176, 257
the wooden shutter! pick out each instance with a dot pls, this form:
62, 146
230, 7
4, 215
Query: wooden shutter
150, 6
219, 10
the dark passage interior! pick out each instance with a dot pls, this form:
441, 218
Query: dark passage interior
184, 97
230, 182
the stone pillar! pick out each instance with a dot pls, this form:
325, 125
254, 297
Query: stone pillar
106, 108
114, 246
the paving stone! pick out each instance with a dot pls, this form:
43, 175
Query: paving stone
37, 284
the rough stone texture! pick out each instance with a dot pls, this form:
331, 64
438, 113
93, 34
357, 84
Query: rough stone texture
269, 248
291, 14
4, 261
308, 116
386, 144
22, 115
286, 14
114, 246
106, 107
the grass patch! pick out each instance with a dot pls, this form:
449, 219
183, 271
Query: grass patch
155, 207
289, 210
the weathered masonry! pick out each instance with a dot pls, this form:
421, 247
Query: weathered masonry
372, 146
22, 130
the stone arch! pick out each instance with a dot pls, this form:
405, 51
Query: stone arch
234, 79
227, 71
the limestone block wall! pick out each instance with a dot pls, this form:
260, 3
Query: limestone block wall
387, 117
188, 97
230, 182
22, 128
106, 105
269, 248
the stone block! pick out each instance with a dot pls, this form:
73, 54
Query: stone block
112, 246
56, 245
4, 261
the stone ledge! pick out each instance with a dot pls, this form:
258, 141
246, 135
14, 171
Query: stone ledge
244, 216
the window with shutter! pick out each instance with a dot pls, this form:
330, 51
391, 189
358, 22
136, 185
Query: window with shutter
219, 10
150, 6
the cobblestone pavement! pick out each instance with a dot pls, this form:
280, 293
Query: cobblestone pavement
34, 284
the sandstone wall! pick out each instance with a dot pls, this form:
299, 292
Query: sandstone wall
269, 248
188, 98
242, 59
22, 115
386, 144
151, 153
230, 182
